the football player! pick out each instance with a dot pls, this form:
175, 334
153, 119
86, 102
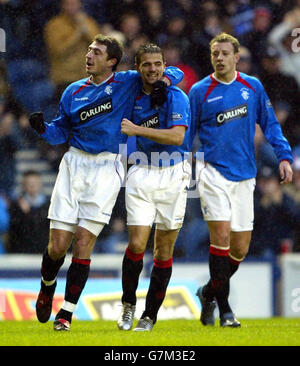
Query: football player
225, 107
156, 186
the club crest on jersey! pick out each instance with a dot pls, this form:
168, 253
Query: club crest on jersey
108, 89
231, 114
85, 114
245, 93
151, 122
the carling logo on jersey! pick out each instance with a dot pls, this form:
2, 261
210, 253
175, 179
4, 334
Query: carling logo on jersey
151, 122
231, 114
93, 111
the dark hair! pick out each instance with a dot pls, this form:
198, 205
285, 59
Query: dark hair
113, 46
29, 172
147, 48
225, 37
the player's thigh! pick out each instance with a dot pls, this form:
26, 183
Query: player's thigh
213, 193
102, 184
242, 205
138, 237
170, 200
140, 207
164, 242
64, 204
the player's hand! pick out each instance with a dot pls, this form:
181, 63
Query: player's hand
159, 94
285, 171
37, 122
127, 127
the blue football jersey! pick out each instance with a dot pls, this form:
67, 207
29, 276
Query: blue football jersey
225, 116
90, 115
174, 112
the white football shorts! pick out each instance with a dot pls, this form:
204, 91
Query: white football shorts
225, 200
86, 188
157, 195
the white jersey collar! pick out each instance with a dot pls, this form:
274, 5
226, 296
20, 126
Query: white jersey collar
110, 76
223, 82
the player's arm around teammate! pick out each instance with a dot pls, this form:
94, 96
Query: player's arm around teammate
155, 193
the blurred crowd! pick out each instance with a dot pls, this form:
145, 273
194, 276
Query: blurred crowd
45, 46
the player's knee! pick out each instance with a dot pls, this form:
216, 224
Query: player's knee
57, 249
136, 245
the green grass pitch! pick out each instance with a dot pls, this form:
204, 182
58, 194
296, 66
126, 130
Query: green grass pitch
254, 332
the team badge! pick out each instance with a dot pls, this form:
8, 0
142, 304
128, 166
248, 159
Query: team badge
245, 93
108, 90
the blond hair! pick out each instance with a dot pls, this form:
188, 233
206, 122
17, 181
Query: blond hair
225, 37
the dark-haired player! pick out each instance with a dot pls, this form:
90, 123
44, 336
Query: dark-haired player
90, 173
156, 187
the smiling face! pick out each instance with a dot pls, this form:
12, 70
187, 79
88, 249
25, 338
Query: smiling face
98, 64
151, 68
224, 60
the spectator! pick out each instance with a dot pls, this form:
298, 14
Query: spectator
240, 15
277, 215
130, 26
256, 40
173, 57
67, 37
4, 223
9, 143
114, 9
287, 96
177, 31
154, 18
23, 22
245, 64
282, 40
212, 26
29, 225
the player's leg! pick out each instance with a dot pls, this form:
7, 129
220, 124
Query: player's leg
60, 239
239, 246
78, 272
132, 266
164, 242
218, 265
